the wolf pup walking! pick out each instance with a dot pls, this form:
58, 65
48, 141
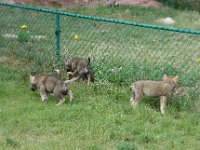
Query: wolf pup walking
49, 84
162, 89
78, 67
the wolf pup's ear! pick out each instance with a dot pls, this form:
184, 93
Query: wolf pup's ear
65, 61
175, 79
88, 60
32, 78
56, 70
165, 77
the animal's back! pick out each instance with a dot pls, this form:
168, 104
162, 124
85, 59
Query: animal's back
152, 88
50, 82
80, 64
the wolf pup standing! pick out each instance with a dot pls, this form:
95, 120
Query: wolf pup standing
78, 67
162, 89
49, 84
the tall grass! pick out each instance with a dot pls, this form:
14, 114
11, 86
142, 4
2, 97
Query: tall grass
100, 118
183, 4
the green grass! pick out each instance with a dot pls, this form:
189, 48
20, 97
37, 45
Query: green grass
182, 4
101, 117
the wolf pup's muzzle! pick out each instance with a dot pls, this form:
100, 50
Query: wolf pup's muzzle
33, 87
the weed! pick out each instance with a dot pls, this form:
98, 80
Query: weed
11, 142
126, 146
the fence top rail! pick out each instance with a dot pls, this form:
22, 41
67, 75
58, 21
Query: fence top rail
101, 19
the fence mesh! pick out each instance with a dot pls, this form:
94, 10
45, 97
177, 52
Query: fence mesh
120, 53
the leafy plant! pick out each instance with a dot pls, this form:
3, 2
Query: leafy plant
23, 35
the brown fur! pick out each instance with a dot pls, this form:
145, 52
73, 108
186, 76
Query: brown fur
181, 91
50, 84
162, 89
78, 67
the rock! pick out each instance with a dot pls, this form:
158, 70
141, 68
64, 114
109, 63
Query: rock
167, 20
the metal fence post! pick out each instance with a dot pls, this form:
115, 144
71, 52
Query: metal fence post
58, 36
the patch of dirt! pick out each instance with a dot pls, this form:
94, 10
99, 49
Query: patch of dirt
3, 59
13, 61
90, 3
145, 3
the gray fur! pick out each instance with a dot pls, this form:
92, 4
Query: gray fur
50, 84
78, 67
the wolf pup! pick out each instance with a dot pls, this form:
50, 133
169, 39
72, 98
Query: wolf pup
50, 84
78, 67
162, 89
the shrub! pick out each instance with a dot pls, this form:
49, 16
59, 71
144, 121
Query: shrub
183, 4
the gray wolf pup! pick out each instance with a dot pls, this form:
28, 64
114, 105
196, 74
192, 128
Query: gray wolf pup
79, 67
162, 89
50, 84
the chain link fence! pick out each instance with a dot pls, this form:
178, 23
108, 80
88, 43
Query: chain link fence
120, 52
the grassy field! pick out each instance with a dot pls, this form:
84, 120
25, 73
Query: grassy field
101, 117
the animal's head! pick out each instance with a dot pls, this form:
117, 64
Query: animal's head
32, 82
170, 80
86, 67
68, 65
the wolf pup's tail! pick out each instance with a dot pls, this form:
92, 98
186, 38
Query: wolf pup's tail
88, 60
72, 80
132, 89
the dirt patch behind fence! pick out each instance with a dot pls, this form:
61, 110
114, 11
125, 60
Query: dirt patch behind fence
90, 3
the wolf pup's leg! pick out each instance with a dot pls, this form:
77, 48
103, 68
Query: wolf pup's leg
72, 74
60, 96
163, 103
135, 98
88, 79
71, 96
69, 74
61, 101
132, 99
59, 93
43, 94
